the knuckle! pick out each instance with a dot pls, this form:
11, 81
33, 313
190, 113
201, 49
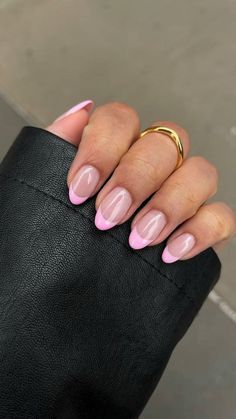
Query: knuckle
123, 115
182, 193
122, 109
233, 218
198, 161
97, 141
218, 224
210, 171
96, 146
117, 108
229, 218
96, 138
233, 223
180, 203
205, 165
141, 167
213, 176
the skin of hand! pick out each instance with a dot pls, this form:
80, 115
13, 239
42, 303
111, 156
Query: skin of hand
109, 144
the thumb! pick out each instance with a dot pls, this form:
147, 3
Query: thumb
71, 124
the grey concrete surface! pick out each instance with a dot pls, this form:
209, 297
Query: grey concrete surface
199, 382
10, 125
170, 60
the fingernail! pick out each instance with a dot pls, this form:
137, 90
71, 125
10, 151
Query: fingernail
86, 104
178, 247
113, 208
147, 229
83, 184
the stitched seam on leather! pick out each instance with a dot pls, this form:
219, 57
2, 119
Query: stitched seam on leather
181, 289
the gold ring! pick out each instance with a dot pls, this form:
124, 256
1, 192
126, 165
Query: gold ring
172, 135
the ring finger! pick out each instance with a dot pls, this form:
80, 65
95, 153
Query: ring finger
177, 200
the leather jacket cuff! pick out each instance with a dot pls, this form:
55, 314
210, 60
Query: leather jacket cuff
88, 324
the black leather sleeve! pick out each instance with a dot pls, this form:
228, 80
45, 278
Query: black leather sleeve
87, 324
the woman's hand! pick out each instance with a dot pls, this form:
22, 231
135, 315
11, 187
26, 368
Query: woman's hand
141, 168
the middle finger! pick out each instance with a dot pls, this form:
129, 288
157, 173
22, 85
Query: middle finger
141, 172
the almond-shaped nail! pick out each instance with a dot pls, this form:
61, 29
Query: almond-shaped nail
178, 247
147, 229
86, 104
83, 184
113, 208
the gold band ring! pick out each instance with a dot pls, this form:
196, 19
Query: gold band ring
172, 135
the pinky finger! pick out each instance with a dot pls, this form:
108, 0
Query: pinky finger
213, 225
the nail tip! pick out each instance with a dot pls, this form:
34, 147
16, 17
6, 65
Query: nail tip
167, 257
75, 199
90, 106
101, 223
86, 104
136, 241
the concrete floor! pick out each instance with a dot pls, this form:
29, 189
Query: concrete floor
170, 60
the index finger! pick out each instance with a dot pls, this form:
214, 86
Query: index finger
111, 130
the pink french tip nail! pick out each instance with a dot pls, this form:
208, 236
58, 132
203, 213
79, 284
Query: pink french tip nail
178, 247
86, 104
101, 223
167, 257
75, 199
113, 208
147, 229
83, 184
136, 241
